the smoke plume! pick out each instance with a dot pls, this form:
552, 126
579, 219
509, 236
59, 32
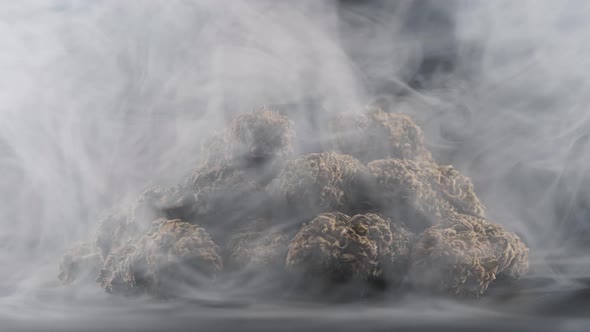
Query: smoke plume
102, 98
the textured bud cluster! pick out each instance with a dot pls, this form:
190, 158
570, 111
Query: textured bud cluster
373, 205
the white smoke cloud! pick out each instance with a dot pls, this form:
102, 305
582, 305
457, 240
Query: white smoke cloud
100, 98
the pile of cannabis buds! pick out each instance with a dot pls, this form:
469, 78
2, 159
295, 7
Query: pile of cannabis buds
372, 206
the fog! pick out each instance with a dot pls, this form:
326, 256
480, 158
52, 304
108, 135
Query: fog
99, 99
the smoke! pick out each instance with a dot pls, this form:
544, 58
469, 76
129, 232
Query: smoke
101, 98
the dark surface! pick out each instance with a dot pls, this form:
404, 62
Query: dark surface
529, 305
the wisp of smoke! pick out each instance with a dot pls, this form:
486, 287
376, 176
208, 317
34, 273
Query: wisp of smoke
101, 98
